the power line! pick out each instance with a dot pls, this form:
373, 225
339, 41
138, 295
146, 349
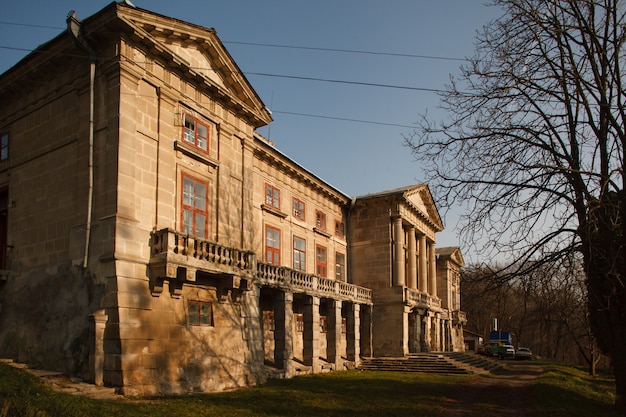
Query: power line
326, 80
349, 51
300, 47
343, 119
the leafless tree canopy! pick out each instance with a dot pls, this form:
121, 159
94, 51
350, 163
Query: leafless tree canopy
534, 148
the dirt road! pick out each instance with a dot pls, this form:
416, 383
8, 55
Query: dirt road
500, 394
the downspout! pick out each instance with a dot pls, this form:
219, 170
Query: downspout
74, 28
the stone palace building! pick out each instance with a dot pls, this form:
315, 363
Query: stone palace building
151, 240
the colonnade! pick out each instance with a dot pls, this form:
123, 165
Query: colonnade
415, 262
318, 333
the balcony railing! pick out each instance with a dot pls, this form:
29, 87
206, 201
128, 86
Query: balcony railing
417, 298
170, 241
297, 281
178, 257
459, 317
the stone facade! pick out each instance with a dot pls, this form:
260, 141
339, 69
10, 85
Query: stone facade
415, 286
153, 241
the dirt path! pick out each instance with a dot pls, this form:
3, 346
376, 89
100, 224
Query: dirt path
501, 394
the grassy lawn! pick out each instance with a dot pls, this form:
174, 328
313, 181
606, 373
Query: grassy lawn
561, 391
564, 391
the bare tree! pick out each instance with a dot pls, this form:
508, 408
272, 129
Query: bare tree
535, 145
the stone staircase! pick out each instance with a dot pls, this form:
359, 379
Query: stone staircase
446, 363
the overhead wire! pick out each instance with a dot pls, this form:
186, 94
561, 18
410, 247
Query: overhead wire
302, 78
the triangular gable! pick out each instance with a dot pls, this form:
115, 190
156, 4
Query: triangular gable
421, 199
200, 54
452, 253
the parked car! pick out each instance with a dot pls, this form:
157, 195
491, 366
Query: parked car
499, 349
523, 353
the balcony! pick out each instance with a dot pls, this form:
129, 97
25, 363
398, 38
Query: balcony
415, 298
299, 282
459, 317
181, 258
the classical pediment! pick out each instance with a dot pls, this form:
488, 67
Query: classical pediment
199, 55
421, 199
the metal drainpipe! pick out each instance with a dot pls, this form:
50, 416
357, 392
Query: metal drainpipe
74, 26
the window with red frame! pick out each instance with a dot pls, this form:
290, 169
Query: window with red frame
299, 322
323, 324
196, 133
299, 254
272, 245
340, 266
321, 262
320, 220
298, 209
199, 313
339, 229
272, 196
194, 206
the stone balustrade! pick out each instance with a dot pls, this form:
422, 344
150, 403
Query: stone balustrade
297, 281
178, 258
415, 298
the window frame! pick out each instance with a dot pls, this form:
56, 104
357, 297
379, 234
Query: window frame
323, 324
299, 319
272, 199
197, 123
193, 209
4, 146
296, 211
340, 230
320, 220
299, 254
199, 314
321, 266
340, 268
274, 250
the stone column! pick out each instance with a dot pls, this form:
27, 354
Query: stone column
353, 334
283, 334
398, 252
365, 330
333, 351
422, 284
432, 270
425, 341
412, 278
311, 317
97, 361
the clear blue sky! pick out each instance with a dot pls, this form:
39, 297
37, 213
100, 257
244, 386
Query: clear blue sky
357, 158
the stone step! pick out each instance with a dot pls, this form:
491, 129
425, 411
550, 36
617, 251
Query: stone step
426, 363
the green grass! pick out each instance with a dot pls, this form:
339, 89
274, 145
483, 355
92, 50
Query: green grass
560, 391
570, 392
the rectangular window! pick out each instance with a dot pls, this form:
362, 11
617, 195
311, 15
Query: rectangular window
199, 313
194, 206
321, 263
196, 133
4, 147
299, 322
320, 220
299, 254
272, 196
323, 324
272, 245
339, 229
340, 266
298, 209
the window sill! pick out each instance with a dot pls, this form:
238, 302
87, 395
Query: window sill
273, 211
321, 232
195, 154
